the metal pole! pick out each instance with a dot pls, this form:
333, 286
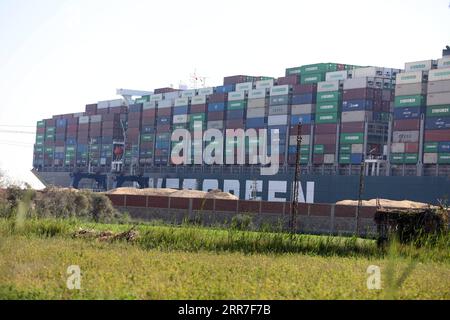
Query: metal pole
294, 213
360, 192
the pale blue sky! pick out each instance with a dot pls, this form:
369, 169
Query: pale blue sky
58, 55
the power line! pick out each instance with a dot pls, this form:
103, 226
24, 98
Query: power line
16, 131
15, 126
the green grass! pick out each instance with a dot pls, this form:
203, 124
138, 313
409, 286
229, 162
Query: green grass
200, 263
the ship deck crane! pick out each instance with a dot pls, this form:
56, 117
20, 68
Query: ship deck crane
128, 94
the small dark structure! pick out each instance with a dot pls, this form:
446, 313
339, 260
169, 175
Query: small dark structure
410, 225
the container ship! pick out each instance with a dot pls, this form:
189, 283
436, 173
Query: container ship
369, 132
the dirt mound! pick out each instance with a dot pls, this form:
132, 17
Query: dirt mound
214, 194
385, 203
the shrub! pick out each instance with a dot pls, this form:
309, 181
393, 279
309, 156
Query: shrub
411, 226
242, 222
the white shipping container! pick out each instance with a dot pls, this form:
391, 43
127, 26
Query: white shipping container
328, 158
306, 140
83, 120
303, 109
79, 114
279, 90
420, 65
439, 74
430, 158
357, 148
215, 124
198, 100
181, 102
411, 77
405, 136
256, 113
398, 147
336, 75
165, 104
182, 118
188, 93
444, 63
264, 84
278, 110
359, 83
156, 97
246, 86
172, 95
149, 105
367, 72
356, 116
438, 86
436, 99
236, 96
328, 86
277, 120
205, 91
257, 94
96, 118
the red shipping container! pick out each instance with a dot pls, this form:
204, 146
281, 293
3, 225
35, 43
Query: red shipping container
147, 145
306, 130
108, 125
327, 128
290, 80
165, 112
325, 139
163, 128
50, 122
91, 108
234, 79
304, 88
235, 124
411, 147
118, 110
215, 116
72, 121
437, 135
149, 113
102, 111
134, 116
329, 148
111, 117
407, 125
352, 127
198, 108
218, 97
359, 94
318, 158
40, 130
148, 122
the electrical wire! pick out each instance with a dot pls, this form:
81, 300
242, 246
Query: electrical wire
15, 131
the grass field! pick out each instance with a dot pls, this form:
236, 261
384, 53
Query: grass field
197, 263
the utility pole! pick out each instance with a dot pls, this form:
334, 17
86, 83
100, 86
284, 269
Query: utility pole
360, 192
294, 212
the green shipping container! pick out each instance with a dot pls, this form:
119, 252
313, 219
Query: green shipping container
49, 136
304, 149
292, 71
319, 149
430, 147
410, 101
326, 118
411, 158
39, 137
236, 105
318, 68
438, 111
444, 158
50, 130
198, 117
40, 124
329, 96
345, 158
38, 149
313, 78
346, 148
328, 107
146, 138
49, 150
398, 158
352, 138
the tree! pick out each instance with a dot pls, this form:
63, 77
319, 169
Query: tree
3, 182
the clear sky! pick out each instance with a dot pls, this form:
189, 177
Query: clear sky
58, 55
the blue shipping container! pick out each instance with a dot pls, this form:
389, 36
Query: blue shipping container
303, 119
61, 123
224, 89
180, 110
307, 98
256, 122
163, 120
136, 108
444, 147
357, 105
356, 158
235, 114
217, 106
408, 113
437, 123
71, 141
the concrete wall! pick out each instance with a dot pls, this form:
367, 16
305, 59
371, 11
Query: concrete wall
312, 218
